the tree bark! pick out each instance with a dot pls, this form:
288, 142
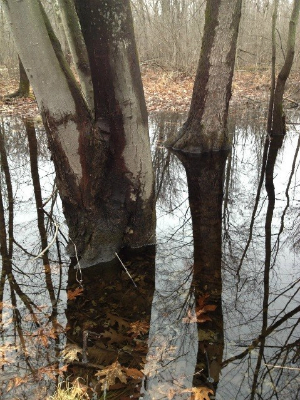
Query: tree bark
78, 50
206, 126
276, 114
103, 162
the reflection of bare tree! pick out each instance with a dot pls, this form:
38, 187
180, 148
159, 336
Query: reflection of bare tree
166, 166
274, 145
28, 324
33, 152
176, 323
205, 182
264, 318
269, 359
109, 322
7, 238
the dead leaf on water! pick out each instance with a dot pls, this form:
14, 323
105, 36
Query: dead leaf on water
72, 294
200, 315
15, 382
199, 393
110, 374
70, 353
139, 328
134, 373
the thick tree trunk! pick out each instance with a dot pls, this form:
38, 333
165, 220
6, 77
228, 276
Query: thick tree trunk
103, 164
206, 126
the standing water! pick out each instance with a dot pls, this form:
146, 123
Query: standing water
210, 311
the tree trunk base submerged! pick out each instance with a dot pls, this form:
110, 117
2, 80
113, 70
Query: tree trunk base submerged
96, 236
194, 141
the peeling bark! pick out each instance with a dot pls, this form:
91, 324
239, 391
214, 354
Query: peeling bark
206, 126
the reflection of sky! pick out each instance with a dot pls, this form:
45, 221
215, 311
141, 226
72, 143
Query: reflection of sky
29, 273
169, 337
242, 319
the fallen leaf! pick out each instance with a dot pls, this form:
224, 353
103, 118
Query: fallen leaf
72, 294
139, 328
111, 374
200, 312
114, 337
134, 373
70, 353
199, 393
15, 382
123, 323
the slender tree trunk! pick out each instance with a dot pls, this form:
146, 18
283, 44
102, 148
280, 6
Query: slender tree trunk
24, 84
278, 117
33, 154
206, 126
273, 75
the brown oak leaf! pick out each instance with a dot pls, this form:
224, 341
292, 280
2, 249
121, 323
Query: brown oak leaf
72, 294
110, 374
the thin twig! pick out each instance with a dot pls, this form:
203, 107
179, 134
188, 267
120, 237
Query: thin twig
125, 269
291, 100
282, 367
78, 266
50, 244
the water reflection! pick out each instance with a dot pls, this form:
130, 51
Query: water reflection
211, 312
31, 325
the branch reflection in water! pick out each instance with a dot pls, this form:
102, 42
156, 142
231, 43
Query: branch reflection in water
224, 313
32, 332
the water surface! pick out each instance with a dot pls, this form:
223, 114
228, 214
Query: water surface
212, 308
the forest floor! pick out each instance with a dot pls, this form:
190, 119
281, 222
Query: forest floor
171, 91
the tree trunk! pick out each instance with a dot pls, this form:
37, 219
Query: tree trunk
205, 176
276, 119
24, 85
78, 50
103, 163
206, 126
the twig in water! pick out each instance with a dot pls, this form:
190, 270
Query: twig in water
79, 280
50, 244
282, 367
125, 269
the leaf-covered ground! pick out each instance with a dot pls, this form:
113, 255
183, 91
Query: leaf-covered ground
170, 91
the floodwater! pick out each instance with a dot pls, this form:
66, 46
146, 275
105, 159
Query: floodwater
211, 311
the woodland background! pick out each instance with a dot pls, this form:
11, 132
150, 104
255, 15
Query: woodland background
169, 34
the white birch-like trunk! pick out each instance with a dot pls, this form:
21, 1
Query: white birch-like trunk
47, 77
102, 159
79, 54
